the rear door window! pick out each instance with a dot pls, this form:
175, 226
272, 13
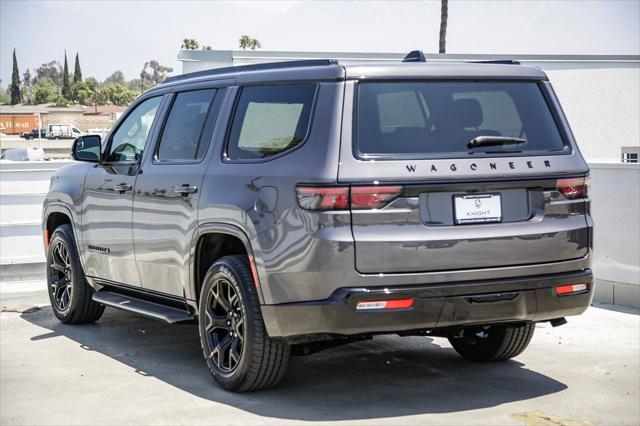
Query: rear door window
270, 120
440, 119
181, 136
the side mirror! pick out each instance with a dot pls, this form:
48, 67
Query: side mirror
87, 148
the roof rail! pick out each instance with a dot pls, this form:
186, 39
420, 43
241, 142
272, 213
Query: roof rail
498, 61
253, 67
415, 56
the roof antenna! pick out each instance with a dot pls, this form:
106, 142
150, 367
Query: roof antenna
415, 56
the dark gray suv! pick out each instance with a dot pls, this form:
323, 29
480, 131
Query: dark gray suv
295, 206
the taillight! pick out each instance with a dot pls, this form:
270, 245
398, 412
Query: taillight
323, 198
339, 198
373, 197
574, 187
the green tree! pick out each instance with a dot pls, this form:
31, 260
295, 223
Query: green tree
207, 47
190, 44
44, 91
27, 88
92, 81
77, 72
116, 78
144, 75
66, 83
444, 17
244, 42
51, 70
27, 79
118, 94
159, 73
15, 82
83, 92
254, 44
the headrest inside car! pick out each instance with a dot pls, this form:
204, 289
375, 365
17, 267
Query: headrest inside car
468, 112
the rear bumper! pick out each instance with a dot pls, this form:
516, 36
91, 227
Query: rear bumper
531, 298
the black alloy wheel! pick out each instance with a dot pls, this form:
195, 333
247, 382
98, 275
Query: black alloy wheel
60, 276
224, 323
70, 295
239, 353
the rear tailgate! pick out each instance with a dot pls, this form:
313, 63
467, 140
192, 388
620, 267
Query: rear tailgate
418, 231
461, 206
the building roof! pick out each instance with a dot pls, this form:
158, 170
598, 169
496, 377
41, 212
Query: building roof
256, 56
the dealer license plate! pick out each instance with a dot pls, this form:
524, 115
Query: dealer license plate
477, 208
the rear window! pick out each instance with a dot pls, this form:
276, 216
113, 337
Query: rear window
270, 120
440, 119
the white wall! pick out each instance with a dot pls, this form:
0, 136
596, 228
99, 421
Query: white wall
615, 208
23, 186
602, 106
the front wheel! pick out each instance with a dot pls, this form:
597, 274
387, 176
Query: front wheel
69, 293
239, 353
492, 343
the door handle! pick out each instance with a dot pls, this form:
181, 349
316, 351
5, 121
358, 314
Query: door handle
185, 189
122, 187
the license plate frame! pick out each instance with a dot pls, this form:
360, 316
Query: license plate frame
469, 209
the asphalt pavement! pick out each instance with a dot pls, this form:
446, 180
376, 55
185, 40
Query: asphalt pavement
127, 369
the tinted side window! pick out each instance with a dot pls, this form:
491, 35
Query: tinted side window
128, 142
182, 132
270, 120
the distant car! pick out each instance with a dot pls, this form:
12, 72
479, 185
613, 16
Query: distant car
33, 134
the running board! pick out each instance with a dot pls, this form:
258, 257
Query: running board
142, 307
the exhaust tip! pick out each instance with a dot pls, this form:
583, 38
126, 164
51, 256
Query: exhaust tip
557, 322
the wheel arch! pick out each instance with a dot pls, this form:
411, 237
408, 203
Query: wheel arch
212, 241
54, 216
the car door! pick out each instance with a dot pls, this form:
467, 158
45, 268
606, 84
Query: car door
108, 198
167, 191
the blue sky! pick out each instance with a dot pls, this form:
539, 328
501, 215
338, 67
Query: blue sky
112, 35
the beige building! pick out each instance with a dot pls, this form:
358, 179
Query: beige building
15, 119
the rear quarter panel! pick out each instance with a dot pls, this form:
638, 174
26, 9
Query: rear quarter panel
259, 197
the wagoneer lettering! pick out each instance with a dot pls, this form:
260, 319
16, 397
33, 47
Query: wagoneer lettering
290, 207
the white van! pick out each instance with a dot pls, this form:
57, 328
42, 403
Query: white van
62, 131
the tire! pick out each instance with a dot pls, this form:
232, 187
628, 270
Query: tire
258, 362
499, 343
69, 292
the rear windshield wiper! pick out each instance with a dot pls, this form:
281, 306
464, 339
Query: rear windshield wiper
494, 141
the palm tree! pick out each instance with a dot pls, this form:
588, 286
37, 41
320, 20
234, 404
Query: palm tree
254, 44
444, 15
190, 44
244, 42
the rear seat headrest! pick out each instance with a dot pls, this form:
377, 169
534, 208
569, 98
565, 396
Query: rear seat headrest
468, 112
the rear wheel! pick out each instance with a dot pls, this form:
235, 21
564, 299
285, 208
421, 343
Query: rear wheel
492, 343
69, 293
239, 353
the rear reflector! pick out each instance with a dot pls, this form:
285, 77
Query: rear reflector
254, 271
574, 187
565, 290
385, 304
46, 238
323, 198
